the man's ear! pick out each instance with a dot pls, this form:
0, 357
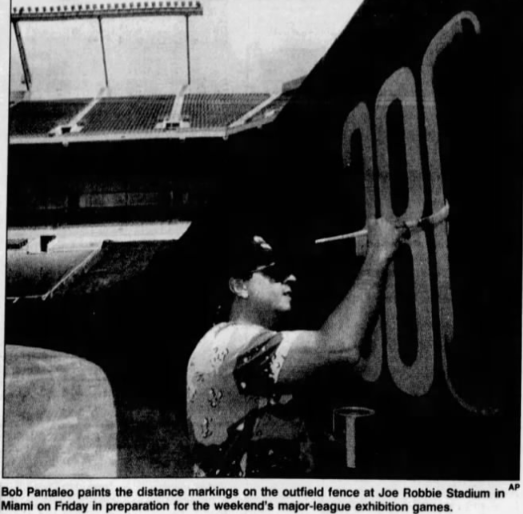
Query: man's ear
238, 287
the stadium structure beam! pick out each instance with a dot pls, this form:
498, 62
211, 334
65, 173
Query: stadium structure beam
188, 50
23, 56
99, 11
118, 10
103, 51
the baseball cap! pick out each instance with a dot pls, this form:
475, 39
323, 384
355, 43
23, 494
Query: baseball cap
254, 254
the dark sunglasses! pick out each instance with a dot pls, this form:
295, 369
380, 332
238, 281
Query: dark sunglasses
275, 272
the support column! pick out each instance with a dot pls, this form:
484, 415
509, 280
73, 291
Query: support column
188, 50
103, 51
23, 57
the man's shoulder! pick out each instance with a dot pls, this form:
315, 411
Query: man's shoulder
231, 335
244, 334
232, 330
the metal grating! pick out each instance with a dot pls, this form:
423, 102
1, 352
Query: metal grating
218, 110
127, 114
39, 117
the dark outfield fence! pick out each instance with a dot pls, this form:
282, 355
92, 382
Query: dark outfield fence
415, 104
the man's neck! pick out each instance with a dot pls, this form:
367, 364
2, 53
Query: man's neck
241, 313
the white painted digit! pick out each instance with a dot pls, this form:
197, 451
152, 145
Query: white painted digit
417, 378
359, 120
437, 45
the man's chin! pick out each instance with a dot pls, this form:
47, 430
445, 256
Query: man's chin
286, 307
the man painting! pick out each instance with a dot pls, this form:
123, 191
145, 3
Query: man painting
242, 373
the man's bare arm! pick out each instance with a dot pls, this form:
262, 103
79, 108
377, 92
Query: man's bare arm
341, 336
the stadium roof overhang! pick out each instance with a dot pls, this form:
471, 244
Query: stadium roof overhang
99, 12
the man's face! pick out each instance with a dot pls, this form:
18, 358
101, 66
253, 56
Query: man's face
270, 291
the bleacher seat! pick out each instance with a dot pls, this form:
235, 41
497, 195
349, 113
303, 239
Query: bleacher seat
37, 118
218, 110
127, 114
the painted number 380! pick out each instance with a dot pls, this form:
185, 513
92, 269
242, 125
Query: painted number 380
417, 378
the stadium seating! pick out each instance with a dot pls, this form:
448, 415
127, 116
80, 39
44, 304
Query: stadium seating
127, 114
135, 114
218, 110
37, 118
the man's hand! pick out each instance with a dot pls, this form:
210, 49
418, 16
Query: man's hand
384, 238
339, 339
